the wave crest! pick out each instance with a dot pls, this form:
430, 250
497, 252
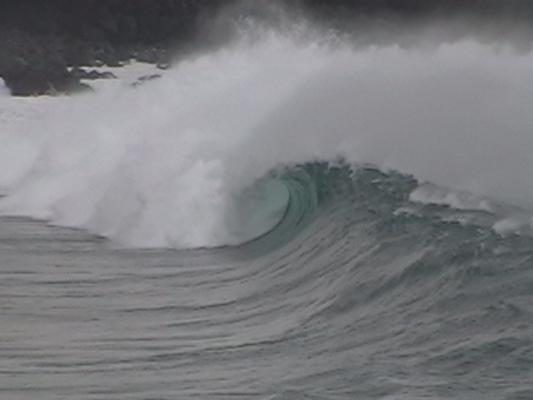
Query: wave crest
178, 161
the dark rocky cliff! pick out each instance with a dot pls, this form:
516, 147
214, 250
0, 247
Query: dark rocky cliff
39, 39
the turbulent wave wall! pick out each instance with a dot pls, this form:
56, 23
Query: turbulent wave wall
175, 162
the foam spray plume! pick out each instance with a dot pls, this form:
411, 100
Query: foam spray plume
187, 161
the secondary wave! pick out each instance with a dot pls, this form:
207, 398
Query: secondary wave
186, 161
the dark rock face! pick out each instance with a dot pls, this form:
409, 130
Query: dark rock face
42, 80
82, 73
144, 79
40, 39
33, 65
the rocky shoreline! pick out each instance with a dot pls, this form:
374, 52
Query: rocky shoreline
43, 44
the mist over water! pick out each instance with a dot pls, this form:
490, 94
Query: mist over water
171, 163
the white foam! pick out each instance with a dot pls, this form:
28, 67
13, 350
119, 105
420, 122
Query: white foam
432, 194
163, 165
509, 225
4, 91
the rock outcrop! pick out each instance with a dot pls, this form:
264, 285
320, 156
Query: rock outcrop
39, 40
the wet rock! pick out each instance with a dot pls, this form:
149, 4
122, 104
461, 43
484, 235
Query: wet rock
163, 65
144, 79
150, 55
40, 40
82, 73
38, 81
28, 68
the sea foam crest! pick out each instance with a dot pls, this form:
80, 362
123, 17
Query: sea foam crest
166, 164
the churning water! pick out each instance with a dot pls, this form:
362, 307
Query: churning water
281, 218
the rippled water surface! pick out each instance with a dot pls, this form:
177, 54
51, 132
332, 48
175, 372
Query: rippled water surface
360, 301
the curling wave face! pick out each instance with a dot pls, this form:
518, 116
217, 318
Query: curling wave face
357, 292
189, 160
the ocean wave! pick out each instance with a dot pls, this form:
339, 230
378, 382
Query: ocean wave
183, 161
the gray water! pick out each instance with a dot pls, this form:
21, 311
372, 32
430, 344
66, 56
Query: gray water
351, 298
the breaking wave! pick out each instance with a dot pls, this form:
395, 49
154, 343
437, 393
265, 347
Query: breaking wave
207, 155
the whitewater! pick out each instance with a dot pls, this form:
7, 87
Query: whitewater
163, 166
287, 216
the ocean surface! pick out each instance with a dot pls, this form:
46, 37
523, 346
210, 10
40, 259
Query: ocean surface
284, 217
